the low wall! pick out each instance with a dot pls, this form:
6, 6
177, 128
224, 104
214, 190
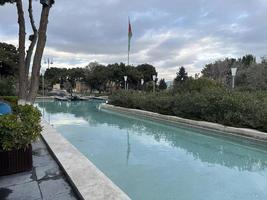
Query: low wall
88, 181
254, 134
45, 97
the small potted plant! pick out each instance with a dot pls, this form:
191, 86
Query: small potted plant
17, 131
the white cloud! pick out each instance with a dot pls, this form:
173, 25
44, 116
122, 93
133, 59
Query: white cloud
166, 34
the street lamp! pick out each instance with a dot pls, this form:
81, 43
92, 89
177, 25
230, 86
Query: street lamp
154, 82
43, 87
233, 71
142, 83
48, 61
125, 82
1, 65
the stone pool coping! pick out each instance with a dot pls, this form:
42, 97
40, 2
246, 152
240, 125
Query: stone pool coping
86, 179
244, 132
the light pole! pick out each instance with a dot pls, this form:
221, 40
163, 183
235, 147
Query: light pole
142, 83
125, 82
233, 71
48, 61
154, 82
1, 65
42, 73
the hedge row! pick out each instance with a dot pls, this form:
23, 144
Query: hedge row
213, 104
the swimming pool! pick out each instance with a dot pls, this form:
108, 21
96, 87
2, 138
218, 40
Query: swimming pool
152, 160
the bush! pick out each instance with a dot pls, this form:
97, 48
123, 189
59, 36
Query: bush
209, 102
19, 129
197, 85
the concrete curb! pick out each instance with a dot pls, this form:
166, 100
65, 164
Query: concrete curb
88, 181
249, 133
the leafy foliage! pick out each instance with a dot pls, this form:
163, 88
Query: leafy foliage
100, 77
8, 60
13, 100
19, 129
162, 84
7, 87
2, 2
147, 71
97, 77
181, 76
202, 99
250, 75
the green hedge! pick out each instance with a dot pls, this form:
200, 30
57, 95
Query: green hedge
19, 129
213, 104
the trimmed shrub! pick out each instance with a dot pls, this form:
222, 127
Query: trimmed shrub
19, 129
213, 104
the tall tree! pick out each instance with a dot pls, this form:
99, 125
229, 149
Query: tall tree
181, 76
148, 71
248, 60
37, 42
162, 84
250, 74
97, 77
220, 70
8, 60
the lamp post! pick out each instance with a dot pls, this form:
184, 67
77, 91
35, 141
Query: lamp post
1, 65
142, 83
154, 82
125, 82
43, 87
48, 61
233, 71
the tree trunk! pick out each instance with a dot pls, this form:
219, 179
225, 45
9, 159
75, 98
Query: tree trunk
22, 35
38, 55
33, 43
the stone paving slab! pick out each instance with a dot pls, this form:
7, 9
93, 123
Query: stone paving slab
44, 182
25, 191
48, 171
15, 179
54, 187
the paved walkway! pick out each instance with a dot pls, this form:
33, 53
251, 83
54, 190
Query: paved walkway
46, 181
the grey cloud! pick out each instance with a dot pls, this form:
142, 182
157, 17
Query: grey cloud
99, 29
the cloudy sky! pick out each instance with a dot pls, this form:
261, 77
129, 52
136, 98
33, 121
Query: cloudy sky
167, 34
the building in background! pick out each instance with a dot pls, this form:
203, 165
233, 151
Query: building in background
81, 87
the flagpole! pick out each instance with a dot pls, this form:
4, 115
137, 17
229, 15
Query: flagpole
129, 39
128, 56
128, 42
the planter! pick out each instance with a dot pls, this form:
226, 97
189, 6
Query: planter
15, 161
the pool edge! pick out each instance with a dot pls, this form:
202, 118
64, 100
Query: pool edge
86, 179
244, 132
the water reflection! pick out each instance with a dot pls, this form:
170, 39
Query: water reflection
231, 152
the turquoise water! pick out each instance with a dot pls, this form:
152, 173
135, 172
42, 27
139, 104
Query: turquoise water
150, 160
